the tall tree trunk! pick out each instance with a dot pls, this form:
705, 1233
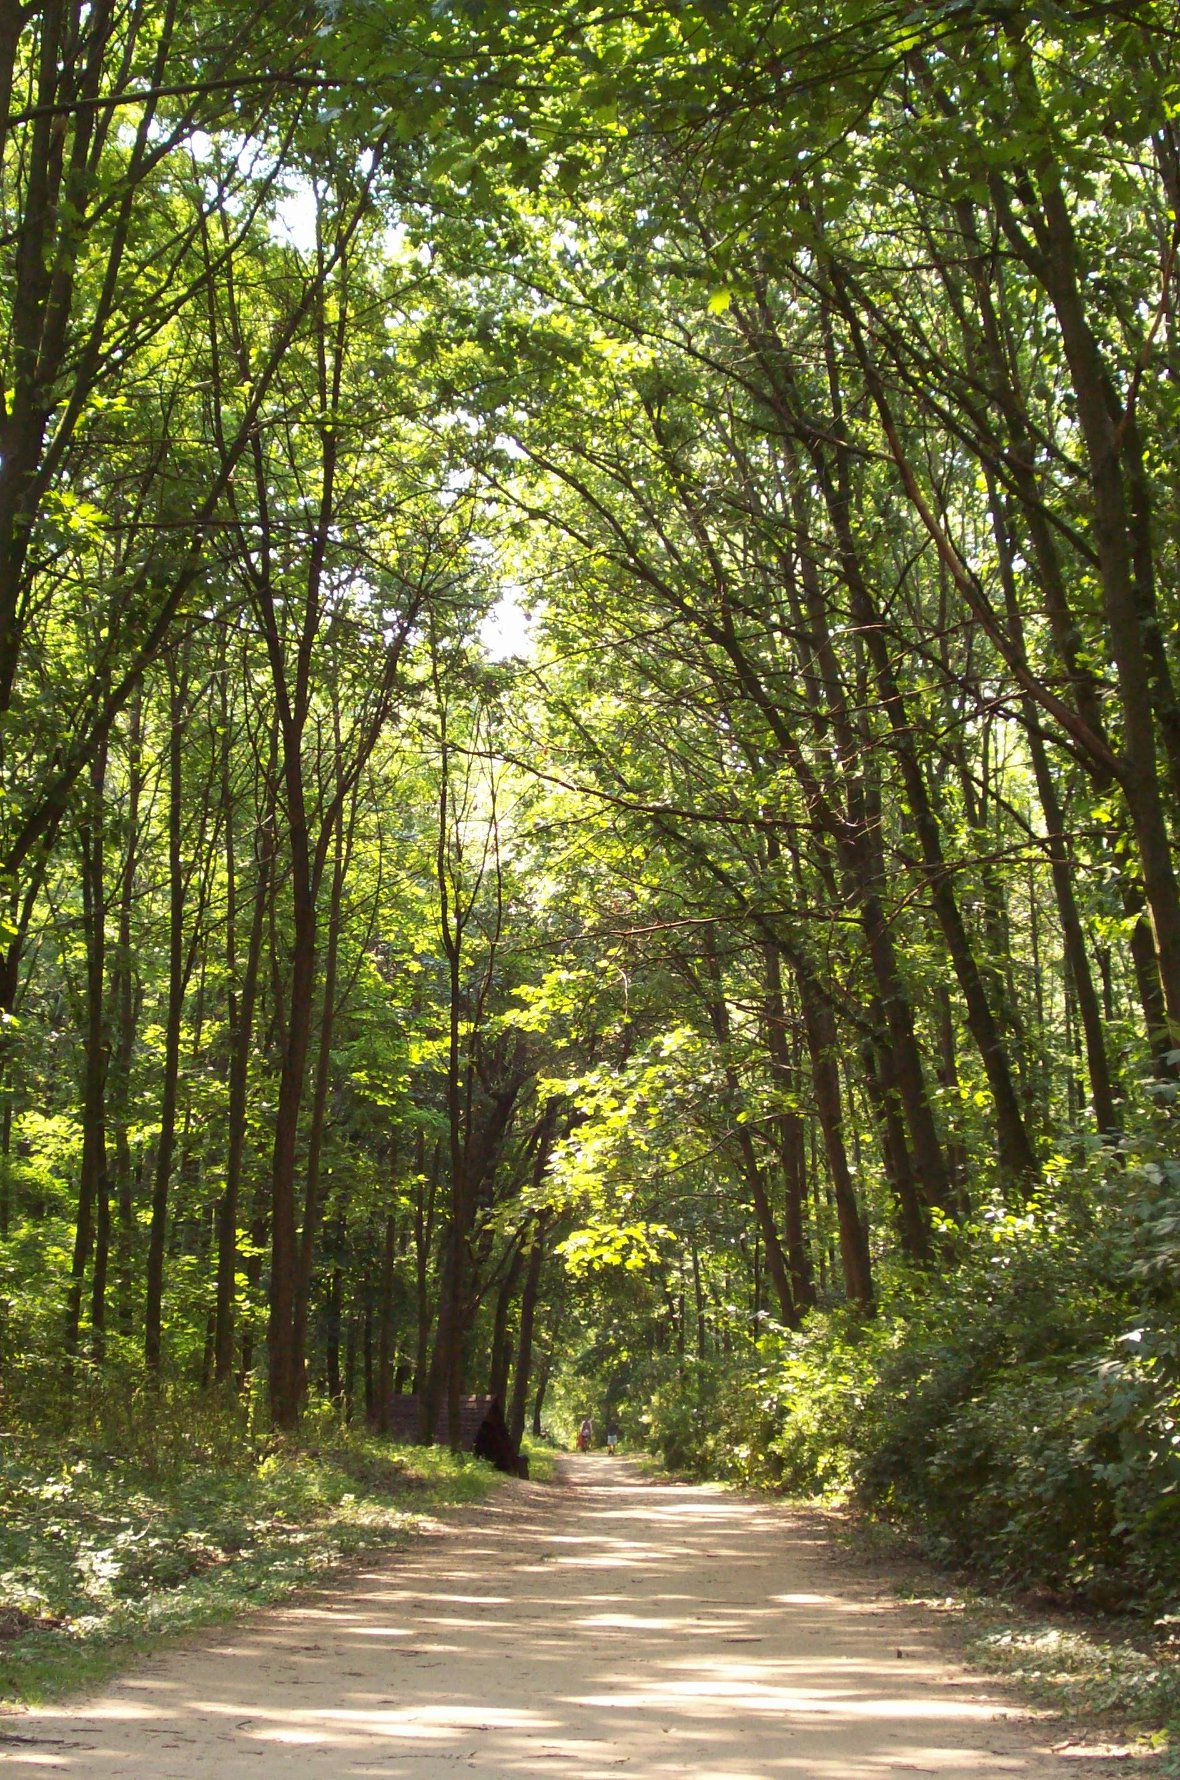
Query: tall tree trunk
524, 1343
882, 1092
544, 1370
444, 1374
334, 1311
367, 1353
1073, 939
350, 1347
92, 1182
123, 995
5, 1153
283, 1384
790, 1136
444, 1380
425, 1199
776, 1261
1015, 1150
854, 844
821, 1044
929, 1162
1061, 864
157, 1235
242, 1001
501, 1342
1104, 430
385, 1333
259, 1232
342, 849
102, 1251
948, 1081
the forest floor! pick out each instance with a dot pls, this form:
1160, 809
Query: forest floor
612, 1621
111, 1546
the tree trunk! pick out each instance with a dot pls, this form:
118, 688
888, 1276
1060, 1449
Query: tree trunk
241, 1030
153, 1311
384, 1386
501, 1344
319, 1100
123, 994
524, 1343
776, 1261
1077, 960
334, 1313
1103, 432
425, 1199
1015, 1150
882, 1091
821, 1044
5, 1154
283, 1384
1061, 866
92, 1183
790, 1137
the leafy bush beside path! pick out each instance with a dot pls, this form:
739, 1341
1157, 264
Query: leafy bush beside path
1020, 1413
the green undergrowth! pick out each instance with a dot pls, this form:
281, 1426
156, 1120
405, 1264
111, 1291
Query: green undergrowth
104, 1551
1017, 1417
542, 1458
1101, 1677
1112, 1678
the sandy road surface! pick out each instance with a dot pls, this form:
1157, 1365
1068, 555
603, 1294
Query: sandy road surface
607, 1625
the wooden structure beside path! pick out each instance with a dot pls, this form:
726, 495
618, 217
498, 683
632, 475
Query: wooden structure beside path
482, 1429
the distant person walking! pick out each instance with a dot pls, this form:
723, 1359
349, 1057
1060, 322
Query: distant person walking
612, 1436
585, 1435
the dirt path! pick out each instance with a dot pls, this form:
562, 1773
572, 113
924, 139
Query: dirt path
607, 1624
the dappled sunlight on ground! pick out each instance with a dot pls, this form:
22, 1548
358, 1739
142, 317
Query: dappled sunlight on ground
608, 1624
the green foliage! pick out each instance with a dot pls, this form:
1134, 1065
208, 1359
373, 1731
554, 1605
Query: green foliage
684, 1418
634, 1247
1021, 1413
542, 1458
172, 1516
1078, 1669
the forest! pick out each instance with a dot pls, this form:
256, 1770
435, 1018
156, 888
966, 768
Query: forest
590, 749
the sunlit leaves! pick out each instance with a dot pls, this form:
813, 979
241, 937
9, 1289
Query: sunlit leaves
634, 1247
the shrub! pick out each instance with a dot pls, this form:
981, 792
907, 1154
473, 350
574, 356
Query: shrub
1020, 1410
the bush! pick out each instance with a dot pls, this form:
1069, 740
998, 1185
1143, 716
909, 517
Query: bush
1020, 1411
683, 1425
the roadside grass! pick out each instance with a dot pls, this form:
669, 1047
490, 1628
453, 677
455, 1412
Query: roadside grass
1120, 1677
104, 1552
542, 1456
